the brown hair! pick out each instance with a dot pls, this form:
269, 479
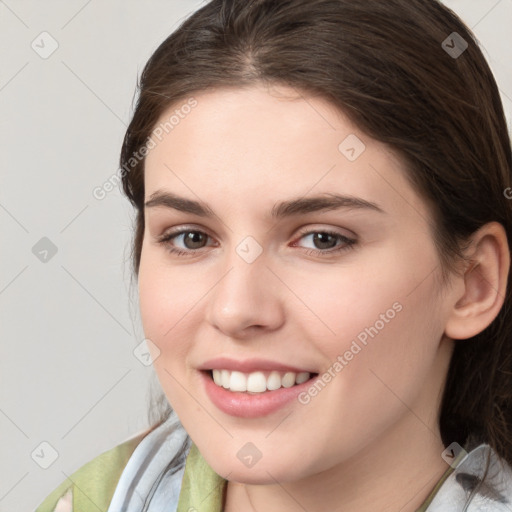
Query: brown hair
385, 66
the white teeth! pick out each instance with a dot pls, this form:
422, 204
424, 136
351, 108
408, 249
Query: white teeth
238, 382
256, 382
224, 375
288, 380
217, 377
273, 381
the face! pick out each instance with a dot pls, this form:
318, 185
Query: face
284, 248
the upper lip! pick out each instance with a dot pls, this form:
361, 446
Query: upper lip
249, 365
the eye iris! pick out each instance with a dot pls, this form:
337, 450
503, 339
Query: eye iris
194, 240
324, 240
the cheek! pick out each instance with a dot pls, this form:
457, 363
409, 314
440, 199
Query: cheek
155, 306
166, 295
166, 300
166, 309
345, 302
380, 315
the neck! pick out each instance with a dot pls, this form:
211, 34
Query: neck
391, 473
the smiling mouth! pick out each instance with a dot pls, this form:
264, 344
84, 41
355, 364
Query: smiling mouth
257, 382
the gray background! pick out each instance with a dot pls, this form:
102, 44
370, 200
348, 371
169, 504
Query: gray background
69, 376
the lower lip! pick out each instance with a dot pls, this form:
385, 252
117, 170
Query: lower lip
246, 405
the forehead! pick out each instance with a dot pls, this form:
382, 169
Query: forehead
264, 144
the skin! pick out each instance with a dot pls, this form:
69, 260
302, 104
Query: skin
373, 428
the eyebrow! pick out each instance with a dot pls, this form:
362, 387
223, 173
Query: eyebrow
296, 206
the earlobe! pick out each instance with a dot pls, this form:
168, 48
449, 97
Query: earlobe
483, 284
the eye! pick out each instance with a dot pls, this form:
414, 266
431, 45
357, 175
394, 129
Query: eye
325, 242
185, 241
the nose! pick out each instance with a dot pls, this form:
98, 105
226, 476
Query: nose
247, 299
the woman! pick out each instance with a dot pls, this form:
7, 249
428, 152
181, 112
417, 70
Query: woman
322, 252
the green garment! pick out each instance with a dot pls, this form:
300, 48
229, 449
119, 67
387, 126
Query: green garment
202, 490
93, 485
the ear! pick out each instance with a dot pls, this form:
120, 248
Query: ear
483, 284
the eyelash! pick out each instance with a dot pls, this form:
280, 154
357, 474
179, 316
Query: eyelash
347, 243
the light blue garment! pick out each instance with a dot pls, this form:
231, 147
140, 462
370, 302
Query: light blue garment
145, 475
495, 495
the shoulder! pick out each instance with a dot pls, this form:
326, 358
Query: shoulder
92, 486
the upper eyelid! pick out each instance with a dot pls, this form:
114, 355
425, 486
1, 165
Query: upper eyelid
301, 230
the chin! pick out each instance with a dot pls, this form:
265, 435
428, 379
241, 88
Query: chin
261, 477
259, 474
